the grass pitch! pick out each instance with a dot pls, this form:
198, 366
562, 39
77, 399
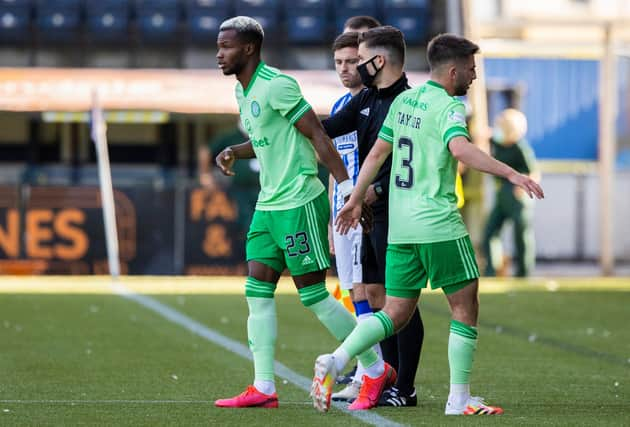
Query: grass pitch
551, 352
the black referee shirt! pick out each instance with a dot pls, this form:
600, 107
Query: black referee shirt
366, 113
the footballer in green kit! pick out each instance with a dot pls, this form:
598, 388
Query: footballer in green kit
289, 228
427, 240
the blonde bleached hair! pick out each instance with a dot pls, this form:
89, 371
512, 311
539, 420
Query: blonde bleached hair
243, 25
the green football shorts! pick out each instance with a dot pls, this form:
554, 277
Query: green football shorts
296, 239
449, 265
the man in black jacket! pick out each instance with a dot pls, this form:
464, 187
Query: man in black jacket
382, 56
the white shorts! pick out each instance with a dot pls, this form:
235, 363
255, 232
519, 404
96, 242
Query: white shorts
348, 257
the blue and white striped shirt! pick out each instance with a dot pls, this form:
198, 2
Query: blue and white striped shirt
348, 147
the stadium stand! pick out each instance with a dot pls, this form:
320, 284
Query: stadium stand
264, 11
59, 20
346, 8
15, 20
108, 20
307, 21
158, 19
410, 16
299, 22
182, 33
203, 18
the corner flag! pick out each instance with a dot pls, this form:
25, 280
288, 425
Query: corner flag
99, 136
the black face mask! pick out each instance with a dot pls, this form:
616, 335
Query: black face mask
366, 78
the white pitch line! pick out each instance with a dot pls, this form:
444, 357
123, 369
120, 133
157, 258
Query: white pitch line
129, 401
240, 349
100, 401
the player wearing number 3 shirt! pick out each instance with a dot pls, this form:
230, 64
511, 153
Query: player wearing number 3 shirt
425, 131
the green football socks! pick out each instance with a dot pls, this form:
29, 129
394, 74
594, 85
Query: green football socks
462, 343
261, 327
360, 342
339, 321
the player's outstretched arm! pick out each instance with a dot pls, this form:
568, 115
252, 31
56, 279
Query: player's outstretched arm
226, 158
472, 156
351, 214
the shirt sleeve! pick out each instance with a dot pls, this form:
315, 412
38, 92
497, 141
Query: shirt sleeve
285, 97
453, 122
339, 104
345, 120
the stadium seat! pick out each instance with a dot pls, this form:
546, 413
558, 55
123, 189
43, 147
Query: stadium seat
203, 18
410, 16
58, 20
211, 4
307, 21
107, 20
157, 20
344, 9
15, 20
405, 4
264, 11
15, 3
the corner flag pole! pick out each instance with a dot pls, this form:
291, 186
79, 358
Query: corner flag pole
99, 136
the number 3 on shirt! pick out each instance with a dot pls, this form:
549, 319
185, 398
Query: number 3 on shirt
405, 144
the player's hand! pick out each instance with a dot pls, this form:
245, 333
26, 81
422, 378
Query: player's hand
348, 216
370, 195
367, 218
528, 185
225, 160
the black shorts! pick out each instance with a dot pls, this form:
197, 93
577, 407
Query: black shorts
373, 252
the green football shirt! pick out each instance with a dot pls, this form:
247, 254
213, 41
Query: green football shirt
422, 201
269, 108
